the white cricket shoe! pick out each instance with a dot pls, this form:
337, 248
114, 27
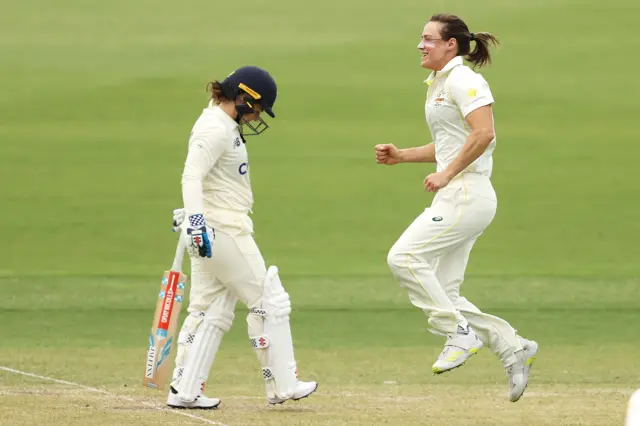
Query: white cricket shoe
457, 350
519, 372
303, 390
201, 402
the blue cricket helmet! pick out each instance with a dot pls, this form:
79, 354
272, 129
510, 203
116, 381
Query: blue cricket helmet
255, 82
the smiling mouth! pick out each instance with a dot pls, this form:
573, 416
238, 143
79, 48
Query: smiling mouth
424, 55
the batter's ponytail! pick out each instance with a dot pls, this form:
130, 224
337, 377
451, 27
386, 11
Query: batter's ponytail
217, 94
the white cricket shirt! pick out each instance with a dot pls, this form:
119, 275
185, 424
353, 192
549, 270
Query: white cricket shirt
216, 180
453, 93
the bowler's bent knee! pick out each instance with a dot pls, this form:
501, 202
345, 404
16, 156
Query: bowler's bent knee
401, 258
396, 259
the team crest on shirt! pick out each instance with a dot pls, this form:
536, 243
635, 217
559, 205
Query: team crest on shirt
236, 143
440, 98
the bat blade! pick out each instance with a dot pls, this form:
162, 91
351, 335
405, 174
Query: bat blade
163, 329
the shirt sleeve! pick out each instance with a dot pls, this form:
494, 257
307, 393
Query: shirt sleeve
470, 92
205, 148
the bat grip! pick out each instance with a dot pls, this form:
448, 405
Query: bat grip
177, 260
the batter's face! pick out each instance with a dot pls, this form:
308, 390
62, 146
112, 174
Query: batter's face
254, 116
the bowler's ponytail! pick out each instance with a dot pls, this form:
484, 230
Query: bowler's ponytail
454, 27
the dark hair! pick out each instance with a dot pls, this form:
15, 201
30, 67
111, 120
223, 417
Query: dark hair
217, 95
454, 27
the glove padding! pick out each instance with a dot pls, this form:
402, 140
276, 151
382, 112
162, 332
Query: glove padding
200, 237
178, 218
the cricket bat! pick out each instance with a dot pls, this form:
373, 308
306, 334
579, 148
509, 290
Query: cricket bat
165, 321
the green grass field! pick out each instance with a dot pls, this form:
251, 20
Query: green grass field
98, 99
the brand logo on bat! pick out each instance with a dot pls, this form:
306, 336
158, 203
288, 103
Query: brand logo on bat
166, 311
167, 304
151, 359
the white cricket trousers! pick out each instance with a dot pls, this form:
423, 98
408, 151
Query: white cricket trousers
235, 271
430, 257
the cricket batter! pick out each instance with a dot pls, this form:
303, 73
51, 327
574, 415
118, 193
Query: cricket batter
430, 257
226, 264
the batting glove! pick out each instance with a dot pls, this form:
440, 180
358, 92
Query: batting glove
200, 236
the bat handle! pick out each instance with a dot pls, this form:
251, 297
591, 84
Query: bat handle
177, 260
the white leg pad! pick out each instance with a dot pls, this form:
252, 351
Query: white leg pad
185, 339
275, 347
199, 355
